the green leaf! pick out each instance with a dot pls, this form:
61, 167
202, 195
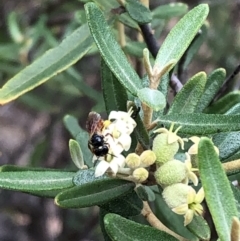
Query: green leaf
95, 193
195, 45
227, 143
170, 10
141, 133
135, 48
128, 205
128, 21
81, 136
224, 104
138, 11
214, 82
218, 193
145, 193
54, 61
152, 98
71, 124
31, 180
110, 51
102, 213
181, 35
187, 99
122, 229
200, 124
87, 176
200, 228
76, 154
114, 94
233, 110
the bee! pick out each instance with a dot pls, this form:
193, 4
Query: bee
96, 143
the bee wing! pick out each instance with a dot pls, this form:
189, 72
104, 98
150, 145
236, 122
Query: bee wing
92, 123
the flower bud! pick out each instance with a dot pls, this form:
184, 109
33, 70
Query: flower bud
164, 152
132, 160
171, 172
140, 174
147, 158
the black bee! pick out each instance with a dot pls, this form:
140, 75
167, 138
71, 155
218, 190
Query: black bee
96, 143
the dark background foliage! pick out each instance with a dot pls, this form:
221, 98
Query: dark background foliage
31, 128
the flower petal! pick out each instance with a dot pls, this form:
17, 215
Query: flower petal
181, 209
125, 140
101, 168
188, 217
199, 196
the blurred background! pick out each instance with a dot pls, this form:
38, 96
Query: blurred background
31, 128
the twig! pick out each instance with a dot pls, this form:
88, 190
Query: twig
175, 84
156, 223
231, 166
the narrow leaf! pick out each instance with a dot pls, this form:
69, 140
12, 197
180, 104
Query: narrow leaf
152, 98
35, 180
110, 50
195, 45
114, 94
81, 136
87, 176
54, 61
218, 193
200, 124
224, 104
214, 82
181, 35
91, 194
128, 205
233, 110
122, 229
187, 99
200, 228
227, 143
138, 11
76, 154
170, 10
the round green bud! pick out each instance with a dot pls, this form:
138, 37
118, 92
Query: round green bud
147, 158
164, 152
171, 172
176, 194
132, 160
140, 174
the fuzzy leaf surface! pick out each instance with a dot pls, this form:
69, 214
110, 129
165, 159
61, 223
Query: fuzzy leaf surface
54, 61
214, 82
181, 35
110, 50
152, 98
218, 192
138, 11
187, 99
122, 229
91, 194
200, 124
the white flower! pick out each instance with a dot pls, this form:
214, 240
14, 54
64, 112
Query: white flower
124, 116
120, 127
113, 165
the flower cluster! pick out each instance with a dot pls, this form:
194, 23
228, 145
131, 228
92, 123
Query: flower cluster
116, 132
174, 175
138, 165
